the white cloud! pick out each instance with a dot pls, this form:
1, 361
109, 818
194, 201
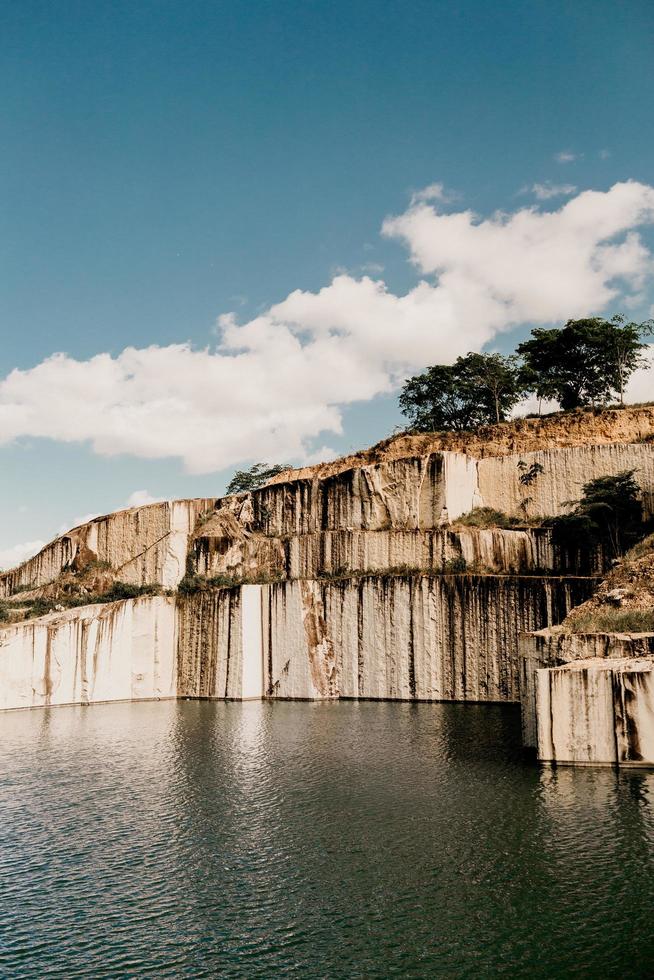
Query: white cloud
641, 384
78, 521
275, 383
139, 498
566, 156
543, 192
433, 192
10, 557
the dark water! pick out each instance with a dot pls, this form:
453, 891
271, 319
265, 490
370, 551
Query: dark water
313, 840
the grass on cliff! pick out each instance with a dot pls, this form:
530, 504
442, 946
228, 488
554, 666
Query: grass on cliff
43, 605
615, 621
193, 583
644, 547
488, 517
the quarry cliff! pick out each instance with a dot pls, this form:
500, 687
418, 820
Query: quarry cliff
363, 578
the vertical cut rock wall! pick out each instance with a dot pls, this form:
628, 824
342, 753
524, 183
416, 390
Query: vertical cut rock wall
565, 471
418, 492
328, 553
113, 652
554, 647
219, 653
407, 637
143, 546
598, 711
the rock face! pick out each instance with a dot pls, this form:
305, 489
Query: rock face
565, 471
598, 711
566, 430
149, 545
393, 637
419, 492
219, 652
422, 493
113, 652
251, 556
553, 648
422, 638
352, 580
144, 546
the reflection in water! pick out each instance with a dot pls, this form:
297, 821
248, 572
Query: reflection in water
198, 839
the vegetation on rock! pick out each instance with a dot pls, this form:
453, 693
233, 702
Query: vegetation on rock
254, 477
585, 363
615, 621
610, 512
475, 390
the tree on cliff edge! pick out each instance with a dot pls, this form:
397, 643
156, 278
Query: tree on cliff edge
586, 362
477, 389
254, 477
610, 511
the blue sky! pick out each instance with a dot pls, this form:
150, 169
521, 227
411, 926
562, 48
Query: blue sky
167, 163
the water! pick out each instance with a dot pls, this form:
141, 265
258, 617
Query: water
187, 839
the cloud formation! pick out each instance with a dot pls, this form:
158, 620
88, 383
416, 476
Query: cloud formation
566, 156
139, 498
273, 384
543, 192
10, 557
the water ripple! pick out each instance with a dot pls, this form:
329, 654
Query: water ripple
316, 840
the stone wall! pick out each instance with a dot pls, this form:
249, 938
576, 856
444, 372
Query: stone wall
418, 492
565, 471
224, 550
598, 711
144, 546
219, 653
148, 545
113, 652
407, 637
553, 647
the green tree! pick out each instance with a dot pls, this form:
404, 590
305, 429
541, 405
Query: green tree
586, 362
254, 477
434, 400
625, 345
610, 511
494, 379
475, 390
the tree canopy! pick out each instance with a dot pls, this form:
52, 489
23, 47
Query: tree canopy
254, 477
587, 362
476, 389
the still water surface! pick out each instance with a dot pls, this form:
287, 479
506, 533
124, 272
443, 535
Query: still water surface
187, 839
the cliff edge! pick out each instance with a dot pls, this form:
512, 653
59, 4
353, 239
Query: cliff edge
561, 430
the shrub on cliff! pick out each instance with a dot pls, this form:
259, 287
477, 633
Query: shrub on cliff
610, 512
488, 517
614, 621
